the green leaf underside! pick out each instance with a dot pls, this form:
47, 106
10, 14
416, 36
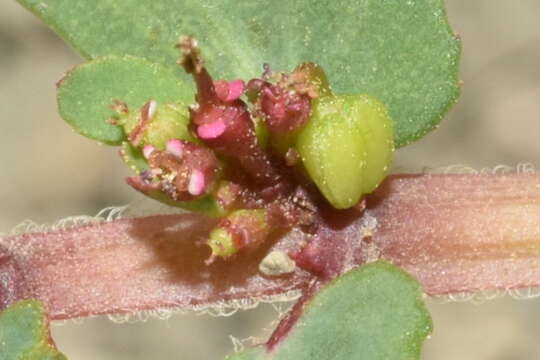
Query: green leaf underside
24, 334
374, 312
86, 93
402, 52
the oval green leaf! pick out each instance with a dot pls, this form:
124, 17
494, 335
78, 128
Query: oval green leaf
375, 312
402, 52
24, 333
86, 93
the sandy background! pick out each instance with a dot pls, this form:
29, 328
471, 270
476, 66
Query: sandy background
50, 173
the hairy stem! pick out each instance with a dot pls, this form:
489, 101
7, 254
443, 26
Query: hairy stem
455, 233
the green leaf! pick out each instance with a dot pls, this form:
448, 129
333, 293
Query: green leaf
374, 312
402, 52
24, 334
86, 93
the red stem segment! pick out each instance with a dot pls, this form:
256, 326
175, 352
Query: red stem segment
461, 233
455, 233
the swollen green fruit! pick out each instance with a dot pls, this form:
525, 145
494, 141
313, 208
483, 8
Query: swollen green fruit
346, 147
156, 123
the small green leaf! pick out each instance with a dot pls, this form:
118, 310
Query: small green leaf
86, 93
374, 312
402, 52
24, 334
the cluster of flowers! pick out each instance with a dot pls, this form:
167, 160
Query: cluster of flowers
263, 156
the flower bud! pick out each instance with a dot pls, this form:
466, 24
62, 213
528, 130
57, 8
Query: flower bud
182, 173
184, 170
285, 105
240, 229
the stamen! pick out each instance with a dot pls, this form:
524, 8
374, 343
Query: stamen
148, 150
175, 147
196, 183
137, 134
211, 130
229, 91
152, 107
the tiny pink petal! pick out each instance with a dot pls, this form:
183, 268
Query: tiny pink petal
175, 147
229, 91
236, 88
211, 130
222, 89
196, 183
296, 106
148, 150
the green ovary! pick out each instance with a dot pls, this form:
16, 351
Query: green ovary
346, 147
170, 121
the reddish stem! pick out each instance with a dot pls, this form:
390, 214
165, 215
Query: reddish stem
461, 233
288, 322
455, 233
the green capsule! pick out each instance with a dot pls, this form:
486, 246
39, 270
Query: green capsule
346, 147
156, 123
240, 229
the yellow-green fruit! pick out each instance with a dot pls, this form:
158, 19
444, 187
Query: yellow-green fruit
346, 147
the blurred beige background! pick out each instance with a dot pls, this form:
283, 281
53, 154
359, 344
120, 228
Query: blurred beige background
50, 173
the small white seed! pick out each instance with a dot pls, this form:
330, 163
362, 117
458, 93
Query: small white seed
277, 263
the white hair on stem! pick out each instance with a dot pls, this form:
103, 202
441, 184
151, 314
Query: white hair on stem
521, 168
144, 206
